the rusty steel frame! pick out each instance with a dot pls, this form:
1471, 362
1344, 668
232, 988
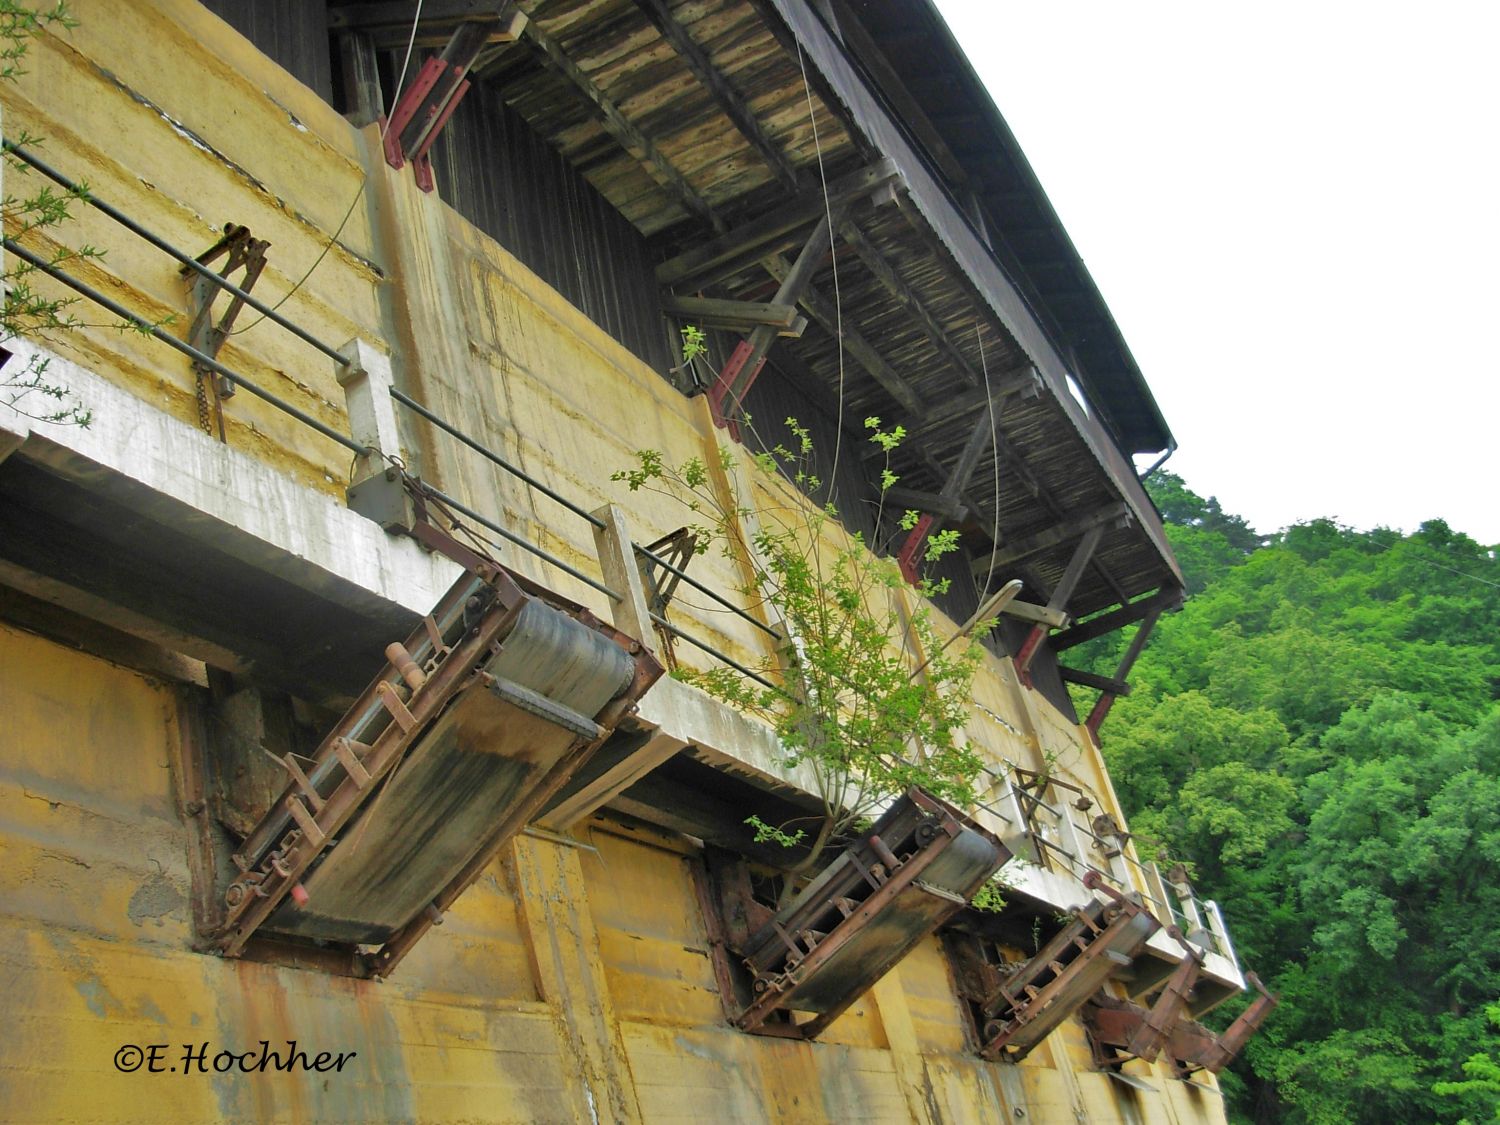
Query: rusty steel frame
1165, 1014
420, 679
1186, 1046
1018, 1004
802, 961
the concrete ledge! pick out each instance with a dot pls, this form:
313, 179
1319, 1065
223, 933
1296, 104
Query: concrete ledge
242, 506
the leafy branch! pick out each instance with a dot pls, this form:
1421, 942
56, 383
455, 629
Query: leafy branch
871, 699
24, 311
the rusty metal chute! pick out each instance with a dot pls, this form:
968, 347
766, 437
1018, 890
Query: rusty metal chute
920, 864
1117, 1028
478, 718
1015, 1008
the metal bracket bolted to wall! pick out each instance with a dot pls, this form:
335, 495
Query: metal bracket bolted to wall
244, 252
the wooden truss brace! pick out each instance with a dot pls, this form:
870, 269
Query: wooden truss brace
1053, 536
1166, 599
1060, 595
1109, 692
727, 395
953, 487
784, 228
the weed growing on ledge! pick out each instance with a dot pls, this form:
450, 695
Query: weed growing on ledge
871, 700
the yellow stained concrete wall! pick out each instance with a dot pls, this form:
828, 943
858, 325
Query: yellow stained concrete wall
567, 984
184, 126
566, 978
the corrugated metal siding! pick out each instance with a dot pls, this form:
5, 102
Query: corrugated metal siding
775, 398
496, 172
292, 32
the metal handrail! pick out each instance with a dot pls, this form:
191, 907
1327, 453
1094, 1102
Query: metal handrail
81, 192
696, 643
490, 455
714, 594
143, 325
522, 542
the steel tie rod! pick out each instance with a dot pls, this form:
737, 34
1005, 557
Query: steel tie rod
186, 349
167, 248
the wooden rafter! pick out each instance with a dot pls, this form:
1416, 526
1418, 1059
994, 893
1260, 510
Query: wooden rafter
728, 392
821, 309
1053, 536
1168, 597
621, 128
884, 273
734, 251
731, 102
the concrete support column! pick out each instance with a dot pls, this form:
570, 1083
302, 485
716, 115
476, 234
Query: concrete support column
906, 1053
632, 613
569, 967
365, 376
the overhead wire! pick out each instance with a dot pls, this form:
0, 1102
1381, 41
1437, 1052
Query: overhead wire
838, 305
989, 400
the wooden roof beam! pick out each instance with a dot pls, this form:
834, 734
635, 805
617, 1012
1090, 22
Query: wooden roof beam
1023, 380
875, 262
1054, 536
782, 229
389, 23
821, 309
1092, 680
1167, 598
1036, 614
730, 100
625, 133
714, 312
934, 502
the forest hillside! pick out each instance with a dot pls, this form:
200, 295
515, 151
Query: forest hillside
1317, 735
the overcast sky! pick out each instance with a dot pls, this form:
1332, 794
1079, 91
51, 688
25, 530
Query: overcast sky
1293, 210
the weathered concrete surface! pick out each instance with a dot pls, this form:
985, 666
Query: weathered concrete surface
567, 984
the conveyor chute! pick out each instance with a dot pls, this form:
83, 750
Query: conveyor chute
498, 699
920, 864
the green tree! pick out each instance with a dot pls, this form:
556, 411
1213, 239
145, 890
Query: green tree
1316, 733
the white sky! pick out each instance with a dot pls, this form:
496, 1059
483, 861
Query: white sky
1293, 210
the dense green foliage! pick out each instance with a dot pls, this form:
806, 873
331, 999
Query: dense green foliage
1317, 735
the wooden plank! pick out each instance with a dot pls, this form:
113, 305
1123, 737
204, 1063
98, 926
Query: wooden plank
1093, 680
738, 249
398, 13
1023, 380
1053, 536
968, 458
731, 103
716, 312
875, 262
1074, 571
821, 309
620, 127
934, 502
1167, 598
1036, 614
